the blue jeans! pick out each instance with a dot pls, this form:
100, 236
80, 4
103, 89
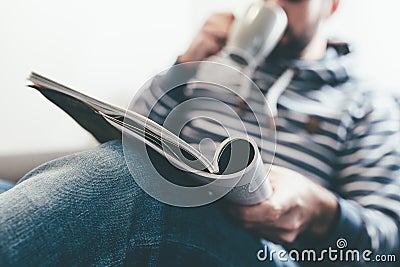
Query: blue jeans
86, 209
5, 185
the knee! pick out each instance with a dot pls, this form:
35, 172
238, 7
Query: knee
104, 165
99, 179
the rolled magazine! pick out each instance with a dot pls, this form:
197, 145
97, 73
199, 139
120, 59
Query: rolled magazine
237, 163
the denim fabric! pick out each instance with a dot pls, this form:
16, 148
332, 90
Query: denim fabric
86, 209
5, 185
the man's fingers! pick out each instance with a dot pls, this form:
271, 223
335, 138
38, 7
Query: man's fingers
210, 39
219, 25
291, 221
213, 46
217, 32
219, 36
221, 19
261, 212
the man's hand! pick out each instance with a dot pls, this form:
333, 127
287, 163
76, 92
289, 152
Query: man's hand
210, 39
296, 205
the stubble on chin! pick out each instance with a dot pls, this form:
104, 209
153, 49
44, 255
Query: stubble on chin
291, 46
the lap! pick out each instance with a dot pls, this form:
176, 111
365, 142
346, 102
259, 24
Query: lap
87, 209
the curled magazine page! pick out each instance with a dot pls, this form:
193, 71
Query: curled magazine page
192, 127
230, 127
140, 127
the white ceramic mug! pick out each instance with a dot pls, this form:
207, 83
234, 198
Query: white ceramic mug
257, 32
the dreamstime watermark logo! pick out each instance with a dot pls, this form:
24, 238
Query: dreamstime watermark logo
341, 253
204, 103
341, 243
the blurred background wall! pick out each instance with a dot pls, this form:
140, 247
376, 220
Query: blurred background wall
108, 49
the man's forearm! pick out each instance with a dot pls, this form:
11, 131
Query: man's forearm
360, 229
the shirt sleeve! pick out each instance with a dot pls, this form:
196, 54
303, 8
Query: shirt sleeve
368, 179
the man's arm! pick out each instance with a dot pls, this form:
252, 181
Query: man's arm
368, 181
366, 207
210, 39
297, 205
157, 101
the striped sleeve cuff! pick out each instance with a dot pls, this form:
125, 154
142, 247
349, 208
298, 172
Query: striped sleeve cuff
349, 227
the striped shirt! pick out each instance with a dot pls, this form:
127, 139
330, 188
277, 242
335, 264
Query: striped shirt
331, 127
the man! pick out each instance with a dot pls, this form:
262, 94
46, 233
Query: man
338, 176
